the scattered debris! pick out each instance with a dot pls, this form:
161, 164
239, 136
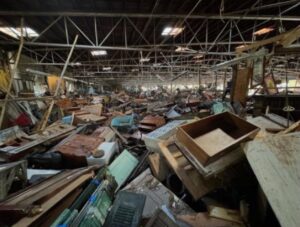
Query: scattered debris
147, 161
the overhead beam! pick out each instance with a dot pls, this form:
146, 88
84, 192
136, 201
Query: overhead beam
148, 15
238, 60
36, 72
168, 45
78, 46
269, 6
284, 39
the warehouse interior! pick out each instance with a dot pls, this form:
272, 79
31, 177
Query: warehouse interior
150, 113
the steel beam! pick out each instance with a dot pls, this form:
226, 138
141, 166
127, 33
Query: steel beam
238, 60
12, 75
166, 45
46, 115
148, 15
82, 32
79, 46
111, 31
47, 28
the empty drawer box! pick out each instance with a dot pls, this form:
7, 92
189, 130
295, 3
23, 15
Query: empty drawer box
211, 137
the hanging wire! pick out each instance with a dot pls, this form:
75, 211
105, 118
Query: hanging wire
222, 9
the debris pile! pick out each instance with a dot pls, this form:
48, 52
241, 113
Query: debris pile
159, 160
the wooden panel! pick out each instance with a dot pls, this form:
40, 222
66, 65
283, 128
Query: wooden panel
225, 214
90, 118
158, 166
204, 220
94, 109
285, 39
275, 161
216, 167
214, 141
190, 177
293, 128
240, 83
80, 146
26, 221
264, 124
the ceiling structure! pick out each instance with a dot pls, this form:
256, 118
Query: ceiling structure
131, 33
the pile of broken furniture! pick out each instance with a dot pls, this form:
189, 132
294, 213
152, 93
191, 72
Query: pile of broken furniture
131, 162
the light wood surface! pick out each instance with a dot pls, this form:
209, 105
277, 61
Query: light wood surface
190, 177
275, 161
214, 141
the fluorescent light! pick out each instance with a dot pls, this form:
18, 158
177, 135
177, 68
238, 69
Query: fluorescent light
156, 64
99, 52
181, 49
9, 31
184, 50
106, 68
176, 31
29, 32
263, 31
15, 32
166, 31
199, 61
144, 59
172, 31
198, 56
240, 46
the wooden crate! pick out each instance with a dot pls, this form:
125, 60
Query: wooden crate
212, 137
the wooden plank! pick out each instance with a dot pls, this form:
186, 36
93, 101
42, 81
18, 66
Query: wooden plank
190, 177
275, 161
216, 167
284, 38
263, 123
158, 166
90, 118
225, 214
177, 154
124, 140
34, 193
26, 221
204, 220
240, 84
94, 109
294, 127
50, 216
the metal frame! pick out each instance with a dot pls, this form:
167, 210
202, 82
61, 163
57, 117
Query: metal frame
125, 57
